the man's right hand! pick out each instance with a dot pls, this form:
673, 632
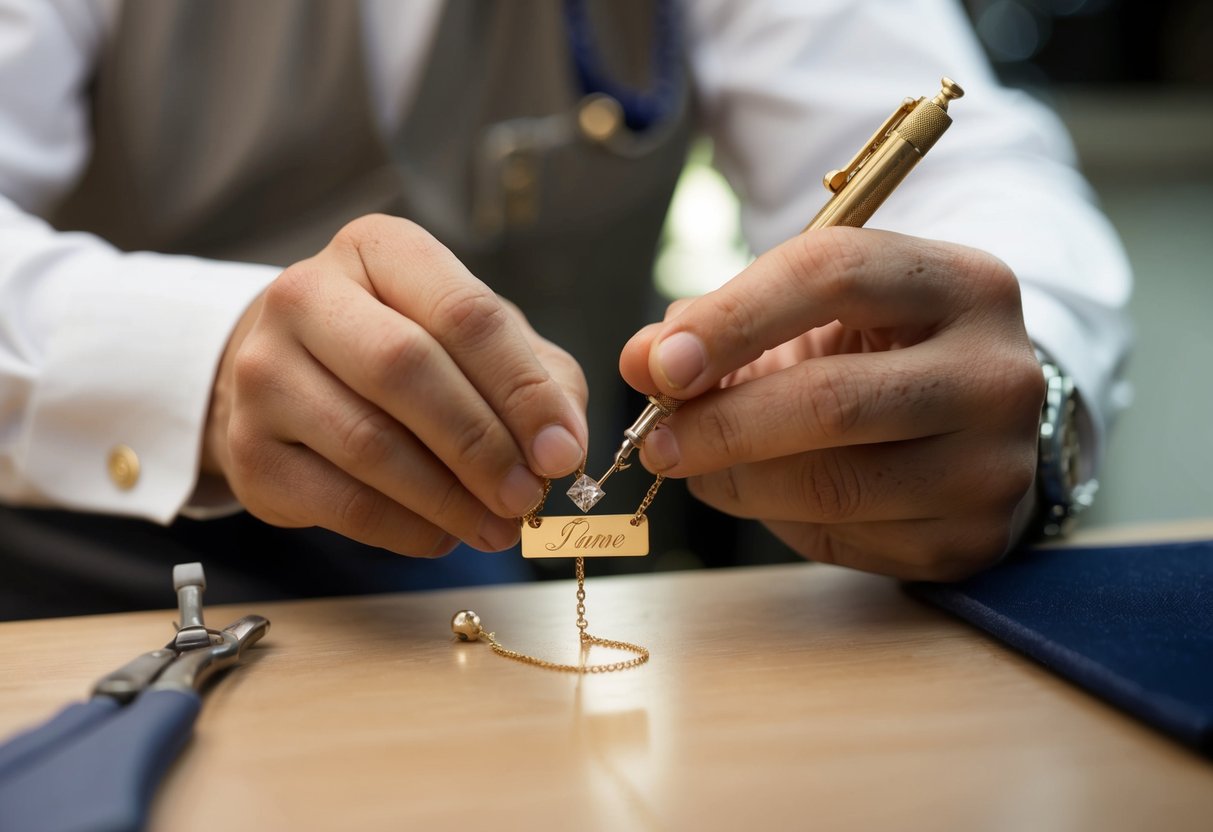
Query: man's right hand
380, 390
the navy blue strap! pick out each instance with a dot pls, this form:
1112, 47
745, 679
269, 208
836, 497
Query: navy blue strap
104, 779
642, 108
73, 722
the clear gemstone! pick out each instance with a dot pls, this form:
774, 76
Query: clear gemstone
586, 492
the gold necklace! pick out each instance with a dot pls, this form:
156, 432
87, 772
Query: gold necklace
579, 537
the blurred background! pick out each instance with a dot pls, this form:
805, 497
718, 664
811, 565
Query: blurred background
1133, 81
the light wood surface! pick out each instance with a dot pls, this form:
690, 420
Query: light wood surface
789, 697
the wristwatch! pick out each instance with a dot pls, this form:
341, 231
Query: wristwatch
1063, 492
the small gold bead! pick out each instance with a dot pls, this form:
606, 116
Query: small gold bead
466, 625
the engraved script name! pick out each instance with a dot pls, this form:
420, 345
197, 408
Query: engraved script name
601, 535
577, 532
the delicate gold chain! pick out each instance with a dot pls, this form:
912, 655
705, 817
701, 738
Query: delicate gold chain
647, 501
531, 518
642, 653
470, 626
581, 622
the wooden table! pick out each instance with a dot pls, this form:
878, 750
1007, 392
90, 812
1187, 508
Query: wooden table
789, 697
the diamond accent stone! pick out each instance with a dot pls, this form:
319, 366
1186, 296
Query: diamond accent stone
585, 493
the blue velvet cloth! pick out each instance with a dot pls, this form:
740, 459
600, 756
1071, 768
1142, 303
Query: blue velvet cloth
1131, 624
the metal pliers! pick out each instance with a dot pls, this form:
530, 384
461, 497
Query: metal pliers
95, 765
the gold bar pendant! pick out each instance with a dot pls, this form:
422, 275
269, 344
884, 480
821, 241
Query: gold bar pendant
598, 535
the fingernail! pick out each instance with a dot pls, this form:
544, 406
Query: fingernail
661, 450
680, 359
445, 545
498, 532
520, 491
556, 451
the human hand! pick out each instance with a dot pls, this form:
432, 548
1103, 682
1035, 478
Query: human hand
381, 391
872, 398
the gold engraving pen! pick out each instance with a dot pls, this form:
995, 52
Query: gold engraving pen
880, 165
858, 190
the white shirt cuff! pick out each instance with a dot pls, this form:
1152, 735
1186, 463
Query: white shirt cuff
127, 379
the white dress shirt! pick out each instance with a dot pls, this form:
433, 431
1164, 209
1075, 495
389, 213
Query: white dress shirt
100, 348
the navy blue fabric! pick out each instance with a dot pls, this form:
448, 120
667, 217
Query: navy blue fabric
26, 748
105, 779
1131, 624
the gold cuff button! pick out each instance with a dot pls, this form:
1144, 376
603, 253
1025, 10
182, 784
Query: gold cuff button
123, 465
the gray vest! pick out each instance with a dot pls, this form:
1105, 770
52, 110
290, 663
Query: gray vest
243, 130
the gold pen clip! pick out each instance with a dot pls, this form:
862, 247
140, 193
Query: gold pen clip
835, 179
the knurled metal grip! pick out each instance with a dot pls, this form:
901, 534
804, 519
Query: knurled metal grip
924, 125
